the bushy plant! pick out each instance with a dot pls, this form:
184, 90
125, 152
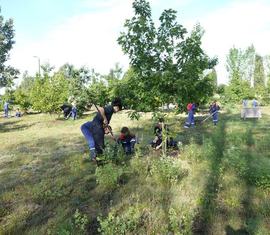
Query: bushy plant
167, 171
107, 176
126, 223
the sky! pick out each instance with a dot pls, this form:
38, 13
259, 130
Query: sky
84, 32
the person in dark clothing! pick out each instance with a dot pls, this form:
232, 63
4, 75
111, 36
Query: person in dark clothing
157, 142
66, 108
128, 140
95, 130
213, 110
18, 113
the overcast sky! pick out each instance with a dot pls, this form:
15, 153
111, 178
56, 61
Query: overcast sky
84, 32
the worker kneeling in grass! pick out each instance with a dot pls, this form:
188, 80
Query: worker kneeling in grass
128, 140
157, 142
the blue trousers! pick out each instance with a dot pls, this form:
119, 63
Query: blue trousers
215, 118
74, 114
85, 128
128, 146
190, 119
6, 112
94, 134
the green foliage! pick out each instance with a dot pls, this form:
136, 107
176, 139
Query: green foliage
259, 74
99, 93
80, 221
167, 171
108, 176
49, 93
7, 73
238, 90
126, 223
247, 76
166, 65
180, 221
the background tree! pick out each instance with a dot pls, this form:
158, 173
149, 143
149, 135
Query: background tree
23, 91
167, 65
259, 75
7, 73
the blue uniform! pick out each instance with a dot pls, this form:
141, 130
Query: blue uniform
190, 119
254, 103
214, 111
6, 109
128, 143
74, 112
94, 132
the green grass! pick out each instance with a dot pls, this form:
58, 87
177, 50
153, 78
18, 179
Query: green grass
219, 183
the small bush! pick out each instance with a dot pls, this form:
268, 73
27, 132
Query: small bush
167, 171
127, 223
107, 176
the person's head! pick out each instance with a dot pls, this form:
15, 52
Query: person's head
125, 131
18, 109
117, 105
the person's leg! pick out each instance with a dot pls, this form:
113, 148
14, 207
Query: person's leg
192, 120
188, 121
6, 112
132, 145
98, 135
85, 128
215, 118
126, 147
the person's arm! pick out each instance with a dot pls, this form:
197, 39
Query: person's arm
102, 112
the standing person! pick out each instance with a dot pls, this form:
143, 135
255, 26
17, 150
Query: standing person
74, 110
6, 106
255, 103
128, 140
95, 130
213, 109
191, 107
245, 103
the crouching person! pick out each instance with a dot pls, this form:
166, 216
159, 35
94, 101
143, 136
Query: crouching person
157, 142
128, 140
18, 113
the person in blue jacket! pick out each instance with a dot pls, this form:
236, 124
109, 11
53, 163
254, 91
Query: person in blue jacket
213, 110
95, 130
190, 122
255, 103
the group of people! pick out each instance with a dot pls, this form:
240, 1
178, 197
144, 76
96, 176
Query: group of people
255, 103
94, 131
213, 112
6, 111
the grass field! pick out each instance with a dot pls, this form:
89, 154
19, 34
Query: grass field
219, 183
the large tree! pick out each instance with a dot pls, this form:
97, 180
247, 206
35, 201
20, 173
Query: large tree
167, 64
7, 73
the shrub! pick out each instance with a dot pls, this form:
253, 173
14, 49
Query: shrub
107, 176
